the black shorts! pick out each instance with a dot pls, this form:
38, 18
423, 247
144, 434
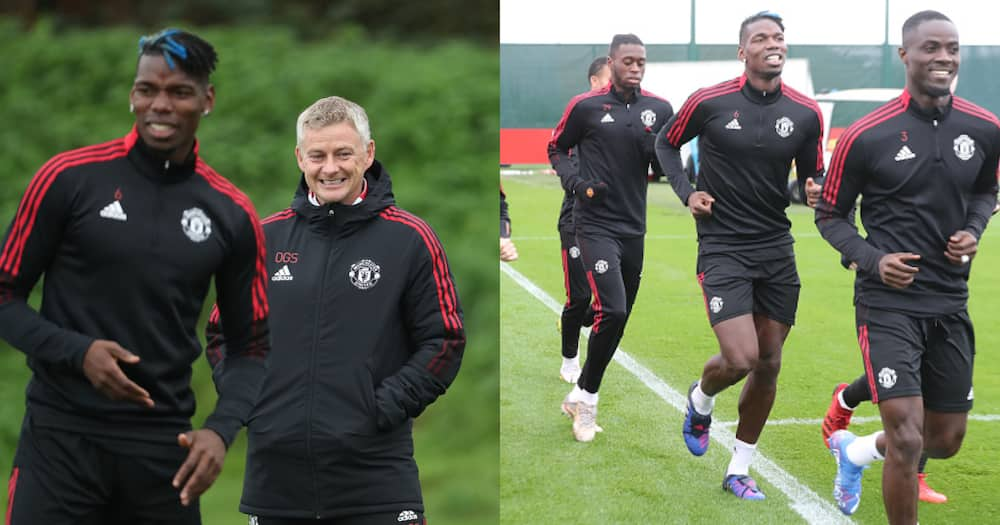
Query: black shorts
906, 356
403, 517
62, 478
735, 286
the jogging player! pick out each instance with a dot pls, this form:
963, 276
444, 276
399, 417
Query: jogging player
611, 131
128, 235
750, 130
367, 332
847, 397
576, 311
925, 165
508, 251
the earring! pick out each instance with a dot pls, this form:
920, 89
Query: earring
206, 112
131, 107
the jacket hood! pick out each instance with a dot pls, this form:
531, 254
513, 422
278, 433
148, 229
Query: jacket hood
379, 197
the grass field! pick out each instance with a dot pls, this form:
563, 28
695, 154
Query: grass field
638, 470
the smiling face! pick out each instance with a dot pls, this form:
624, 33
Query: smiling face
334, 159
930, 54
763, 48
168, 104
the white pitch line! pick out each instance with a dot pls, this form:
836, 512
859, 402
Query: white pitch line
653, 237
865, 419
802, 499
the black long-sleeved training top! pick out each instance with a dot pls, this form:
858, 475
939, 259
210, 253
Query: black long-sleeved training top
922, 175
612, 137
128, 244
367, 331
747, 140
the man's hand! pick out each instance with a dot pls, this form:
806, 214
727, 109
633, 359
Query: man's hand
100, 365
700, 204
813, 191
206, 454
508, 252
962, 247
894, 270
591, 191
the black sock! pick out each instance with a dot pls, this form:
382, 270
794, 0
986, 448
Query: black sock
857, 392
922, 464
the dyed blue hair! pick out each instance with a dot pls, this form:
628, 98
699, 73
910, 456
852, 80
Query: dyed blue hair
193, 55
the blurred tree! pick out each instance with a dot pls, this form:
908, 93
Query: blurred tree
427, 20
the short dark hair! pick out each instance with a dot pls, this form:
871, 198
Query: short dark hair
923, 16
596, 66
768, 15
195, 56
623, 39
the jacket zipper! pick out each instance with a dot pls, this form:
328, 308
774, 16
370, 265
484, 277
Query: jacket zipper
312, 389
158, 205
937, 143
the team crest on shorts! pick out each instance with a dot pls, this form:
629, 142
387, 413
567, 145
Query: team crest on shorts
784, 126
364, 274
715, 304
648, 118
887, 378
197, 226
601, 266
964, 147
574, 252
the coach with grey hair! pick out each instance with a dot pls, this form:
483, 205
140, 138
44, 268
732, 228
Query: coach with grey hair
366, 333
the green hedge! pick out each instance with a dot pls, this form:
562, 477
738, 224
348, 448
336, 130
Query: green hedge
434, 115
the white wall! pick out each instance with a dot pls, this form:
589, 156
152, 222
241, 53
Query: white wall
846, 22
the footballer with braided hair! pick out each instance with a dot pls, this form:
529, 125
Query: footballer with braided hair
129, 234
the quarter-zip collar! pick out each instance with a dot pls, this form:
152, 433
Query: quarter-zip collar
757, 96
155, 164
378, 196
931, 114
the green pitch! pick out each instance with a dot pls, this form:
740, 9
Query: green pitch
638, 470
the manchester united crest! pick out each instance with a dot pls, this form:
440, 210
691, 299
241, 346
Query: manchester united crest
196, 224
364, 274
964, 147
648, 118
784, 126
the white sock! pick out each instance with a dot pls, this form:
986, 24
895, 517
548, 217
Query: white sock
572, 361
742, 454
863, 451
840, 398
578, 394
703, 403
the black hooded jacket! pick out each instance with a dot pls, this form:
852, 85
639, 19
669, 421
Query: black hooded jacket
366, 333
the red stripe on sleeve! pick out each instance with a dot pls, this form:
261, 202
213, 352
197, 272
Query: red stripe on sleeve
27, 213
684, 116
569, 108
259, 287
832, 185
968, 107
280, 216
11, 489
447, 299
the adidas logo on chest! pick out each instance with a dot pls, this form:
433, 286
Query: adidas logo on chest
114, 211
904, 153
283, 274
